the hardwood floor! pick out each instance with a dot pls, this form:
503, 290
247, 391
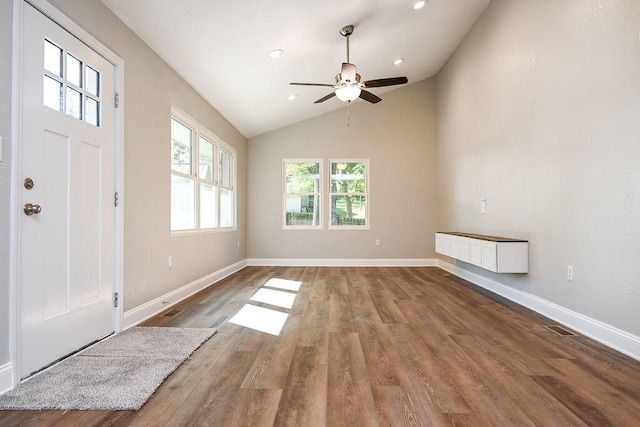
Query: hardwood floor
377, 346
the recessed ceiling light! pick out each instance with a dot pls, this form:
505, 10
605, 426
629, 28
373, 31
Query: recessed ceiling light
291, 97
275, 53
398, 61
419, 4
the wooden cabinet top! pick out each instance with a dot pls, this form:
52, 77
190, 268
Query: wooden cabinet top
483, 237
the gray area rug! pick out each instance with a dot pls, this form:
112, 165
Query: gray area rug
119, 373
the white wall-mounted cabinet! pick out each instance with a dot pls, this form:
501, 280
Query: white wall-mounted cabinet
442, 244
497, 254
475, 252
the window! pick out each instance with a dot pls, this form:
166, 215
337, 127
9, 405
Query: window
301, 193
70, 86
348, 193
305, 203
202, 177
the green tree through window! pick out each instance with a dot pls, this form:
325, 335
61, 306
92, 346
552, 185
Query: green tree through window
348, 193
302, 180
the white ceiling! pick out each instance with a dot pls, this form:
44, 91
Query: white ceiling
220, 47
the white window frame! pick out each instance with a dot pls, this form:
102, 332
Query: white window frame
199, 131
366, 194
320, 195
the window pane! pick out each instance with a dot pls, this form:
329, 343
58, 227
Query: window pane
348, 210
92, 115
348, 177
180, 147
226, 208
302, 177
207, 206
225, 169
206, 160
182, 203
93, 81
302, 210
74, 70
52, 93
74, 103
52, 58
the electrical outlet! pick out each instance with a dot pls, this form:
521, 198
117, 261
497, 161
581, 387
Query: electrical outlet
170, 261
570, 273
483, 205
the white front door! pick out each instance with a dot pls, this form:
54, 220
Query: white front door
66, 233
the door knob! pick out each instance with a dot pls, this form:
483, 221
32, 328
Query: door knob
30, 209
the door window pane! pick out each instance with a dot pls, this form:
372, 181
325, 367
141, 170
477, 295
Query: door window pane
180, 147
52, 93
206, 160
52, 58
207, 206
92, 84
182, 203
92, 114
74, 103
74, 70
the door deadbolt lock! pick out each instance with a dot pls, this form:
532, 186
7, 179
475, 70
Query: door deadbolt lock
28, 183
30, 209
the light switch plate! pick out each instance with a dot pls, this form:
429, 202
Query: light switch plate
0, 148
483, 205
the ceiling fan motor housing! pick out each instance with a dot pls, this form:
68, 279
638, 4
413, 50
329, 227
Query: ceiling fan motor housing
348, 74
347, 30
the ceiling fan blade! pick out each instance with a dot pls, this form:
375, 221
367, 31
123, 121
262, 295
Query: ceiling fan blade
324, 98
368, 96
391, 81
312, 84
348, 72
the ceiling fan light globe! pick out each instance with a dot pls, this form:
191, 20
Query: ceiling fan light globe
348, 93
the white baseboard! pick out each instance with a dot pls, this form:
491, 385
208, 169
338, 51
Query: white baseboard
145, 311
331, 262
608, 335
6, 378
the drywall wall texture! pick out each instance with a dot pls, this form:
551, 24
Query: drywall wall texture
538, 112
6, 7
397, 135
150, 88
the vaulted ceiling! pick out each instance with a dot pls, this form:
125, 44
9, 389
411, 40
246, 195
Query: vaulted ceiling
221, 48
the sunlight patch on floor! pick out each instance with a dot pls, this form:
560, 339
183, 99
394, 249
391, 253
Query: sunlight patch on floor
288, 285
265, 319
272, 297
260, 319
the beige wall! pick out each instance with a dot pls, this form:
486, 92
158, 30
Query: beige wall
397, 136
151, 87
539, 112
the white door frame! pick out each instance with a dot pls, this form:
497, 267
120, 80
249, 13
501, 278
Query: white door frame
16, 120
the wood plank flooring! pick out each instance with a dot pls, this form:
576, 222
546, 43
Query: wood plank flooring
377, 347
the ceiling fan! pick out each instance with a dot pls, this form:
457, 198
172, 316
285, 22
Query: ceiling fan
348, 87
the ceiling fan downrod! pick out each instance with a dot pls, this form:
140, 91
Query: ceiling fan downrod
346, 31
